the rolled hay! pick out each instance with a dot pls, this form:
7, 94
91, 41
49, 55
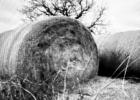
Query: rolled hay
58, 45
119, 55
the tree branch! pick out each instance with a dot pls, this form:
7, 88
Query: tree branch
70, 8
83, 10
48, 9
97, 19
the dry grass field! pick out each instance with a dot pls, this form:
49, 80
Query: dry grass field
99, 88
103, 88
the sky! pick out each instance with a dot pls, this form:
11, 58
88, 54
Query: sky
9, 15
123, 15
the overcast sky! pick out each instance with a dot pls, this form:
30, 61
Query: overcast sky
123, 14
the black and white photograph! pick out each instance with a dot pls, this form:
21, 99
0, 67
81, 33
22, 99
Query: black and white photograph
69, 50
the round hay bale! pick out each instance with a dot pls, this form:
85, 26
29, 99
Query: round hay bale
58, 45
119, 55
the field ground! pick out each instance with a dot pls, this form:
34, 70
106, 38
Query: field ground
103, 88
100, 88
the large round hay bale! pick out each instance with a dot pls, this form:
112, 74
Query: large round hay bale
58, 45
119, 54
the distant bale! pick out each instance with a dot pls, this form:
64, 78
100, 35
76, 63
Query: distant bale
60, 46
119, 54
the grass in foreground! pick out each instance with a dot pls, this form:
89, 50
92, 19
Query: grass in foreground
103, 88
100, 88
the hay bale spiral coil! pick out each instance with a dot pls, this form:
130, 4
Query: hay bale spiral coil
58, 45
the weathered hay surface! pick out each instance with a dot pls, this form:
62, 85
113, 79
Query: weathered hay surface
119, 54
58, 45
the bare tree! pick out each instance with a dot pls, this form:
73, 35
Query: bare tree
71, 8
